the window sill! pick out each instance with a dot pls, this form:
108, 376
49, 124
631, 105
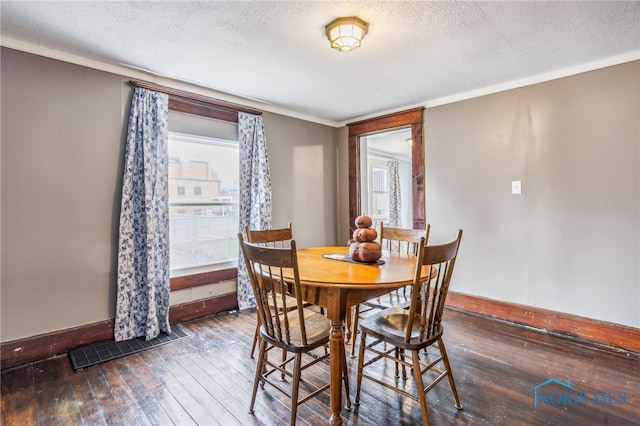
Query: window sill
204, 278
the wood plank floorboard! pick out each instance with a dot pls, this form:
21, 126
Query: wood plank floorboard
145, 399
207, 379
18, 397
90, 409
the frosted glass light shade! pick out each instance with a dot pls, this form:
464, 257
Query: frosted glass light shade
346, 34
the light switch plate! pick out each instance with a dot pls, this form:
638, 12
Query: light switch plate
516, 187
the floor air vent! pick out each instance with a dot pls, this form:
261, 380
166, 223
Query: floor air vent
94, 354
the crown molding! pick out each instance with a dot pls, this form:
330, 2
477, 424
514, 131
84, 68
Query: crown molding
540, 78
514, 84
146, 75
136, 73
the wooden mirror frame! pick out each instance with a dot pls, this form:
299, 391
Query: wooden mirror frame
413, 118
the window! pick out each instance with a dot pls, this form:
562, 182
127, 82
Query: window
379, 184
204, 226
214, 121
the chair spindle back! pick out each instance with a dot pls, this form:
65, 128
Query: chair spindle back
402, 239
270, 237
428, 298
265, 266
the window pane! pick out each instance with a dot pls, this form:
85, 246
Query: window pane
379, 197
203, 200
380, 179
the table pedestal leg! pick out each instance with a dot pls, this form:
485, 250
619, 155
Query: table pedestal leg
336, 355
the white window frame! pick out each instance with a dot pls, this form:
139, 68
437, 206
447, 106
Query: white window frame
232, 262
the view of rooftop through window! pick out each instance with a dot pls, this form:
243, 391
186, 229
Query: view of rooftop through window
203, 200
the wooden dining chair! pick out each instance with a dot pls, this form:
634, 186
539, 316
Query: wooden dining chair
395, 239
414, 329
270, 237
279, 237
405, 241
297, 330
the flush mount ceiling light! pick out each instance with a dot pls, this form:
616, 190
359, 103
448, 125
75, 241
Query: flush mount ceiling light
346, 34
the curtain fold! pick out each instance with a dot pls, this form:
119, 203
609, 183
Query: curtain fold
395, 218
255, 191
143, 289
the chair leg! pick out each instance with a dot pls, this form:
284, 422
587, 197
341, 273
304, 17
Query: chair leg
356, 317
363, 342
283, 376
404, 367
422, 396
262, 353
396, 355
447, 366
256, 336
345, 376
295, 386
347, 327
399, 355
255, 342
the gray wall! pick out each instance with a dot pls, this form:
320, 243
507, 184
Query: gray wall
570, 242
302, 159
61, 149
62, 141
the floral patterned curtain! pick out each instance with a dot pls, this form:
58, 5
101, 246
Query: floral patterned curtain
255, 191
143, 251
395, 219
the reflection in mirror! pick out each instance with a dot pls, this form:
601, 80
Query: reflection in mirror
410, 119
385, 181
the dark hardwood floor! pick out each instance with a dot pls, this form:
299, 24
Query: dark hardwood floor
206, 379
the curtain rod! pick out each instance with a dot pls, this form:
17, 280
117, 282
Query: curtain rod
213, 103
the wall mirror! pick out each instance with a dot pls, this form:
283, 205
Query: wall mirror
385, 179
368, 137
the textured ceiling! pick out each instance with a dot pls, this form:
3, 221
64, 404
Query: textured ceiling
276, 53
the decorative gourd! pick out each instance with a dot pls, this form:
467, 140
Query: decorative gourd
363, 235
362, 248
367, 252
364, 221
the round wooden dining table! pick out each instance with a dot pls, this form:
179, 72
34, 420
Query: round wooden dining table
337, 285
